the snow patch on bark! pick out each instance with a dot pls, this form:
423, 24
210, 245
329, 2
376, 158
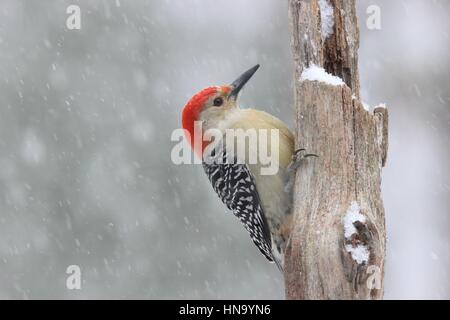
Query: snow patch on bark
360, 253
327, 18
315, 73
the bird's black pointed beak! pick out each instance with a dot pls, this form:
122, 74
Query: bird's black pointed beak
240, 82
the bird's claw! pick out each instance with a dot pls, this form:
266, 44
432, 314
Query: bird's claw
297, 158
299, 155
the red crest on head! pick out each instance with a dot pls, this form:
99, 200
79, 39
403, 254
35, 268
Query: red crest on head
194, 107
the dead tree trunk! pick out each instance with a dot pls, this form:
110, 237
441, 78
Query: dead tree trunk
337, 247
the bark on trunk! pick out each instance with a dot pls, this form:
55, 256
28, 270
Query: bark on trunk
342, 185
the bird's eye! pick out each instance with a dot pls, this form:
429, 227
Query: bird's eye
218, 101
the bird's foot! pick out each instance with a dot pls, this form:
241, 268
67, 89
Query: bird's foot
300, 154
297, 159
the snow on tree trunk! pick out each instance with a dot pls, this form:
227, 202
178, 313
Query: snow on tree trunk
338, 241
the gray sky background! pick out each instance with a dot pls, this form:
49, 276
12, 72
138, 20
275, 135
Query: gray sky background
85, 124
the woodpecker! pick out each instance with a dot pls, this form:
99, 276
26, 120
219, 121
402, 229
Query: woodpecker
262, 203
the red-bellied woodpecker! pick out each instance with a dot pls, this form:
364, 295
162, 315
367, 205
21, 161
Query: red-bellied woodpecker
261, 202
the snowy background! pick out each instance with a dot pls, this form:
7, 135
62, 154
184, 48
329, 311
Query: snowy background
85, 124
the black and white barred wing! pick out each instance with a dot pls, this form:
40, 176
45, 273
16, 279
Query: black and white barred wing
235, 185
